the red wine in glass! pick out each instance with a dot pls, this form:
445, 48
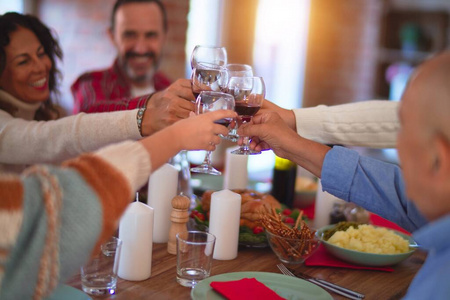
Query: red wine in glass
225, 122
246, 111
212, 101
249, 95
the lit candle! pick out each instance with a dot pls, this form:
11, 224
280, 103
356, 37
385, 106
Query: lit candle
235, 173
162, 187
224, 218
136, 232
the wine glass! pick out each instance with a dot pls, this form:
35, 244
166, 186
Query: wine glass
239, 70
236, 70
211, 101
208, 77
208, 54
248, 95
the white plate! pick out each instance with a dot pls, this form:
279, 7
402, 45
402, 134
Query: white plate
285, 286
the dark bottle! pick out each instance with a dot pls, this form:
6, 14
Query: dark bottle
337, 213
283, 181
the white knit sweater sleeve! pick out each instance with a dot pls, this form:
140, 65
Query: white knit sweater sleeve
371, 124
131, 159
29, 142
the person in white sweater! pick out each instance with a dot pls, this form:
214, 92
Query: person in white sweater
30, 128
372, 124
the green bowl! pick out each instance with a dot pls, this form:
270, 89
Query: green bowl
364, 258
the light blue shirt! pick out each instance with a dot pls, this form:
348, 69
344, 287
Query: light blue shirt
379, 188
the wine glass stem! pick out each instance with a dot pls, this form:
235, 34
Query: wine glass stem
207, 160
246, 143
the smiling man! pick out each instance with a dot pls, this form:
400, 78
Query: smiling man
138, 31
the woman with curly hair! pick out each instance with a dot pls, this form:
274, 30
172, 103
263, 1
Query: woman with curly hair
31, 128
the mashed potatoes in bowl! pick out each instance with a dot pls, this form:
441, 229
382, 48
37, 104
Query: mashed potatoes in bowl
368, 245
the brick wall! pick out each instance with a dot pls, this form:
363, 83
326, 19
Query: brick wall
81, 26
342, 49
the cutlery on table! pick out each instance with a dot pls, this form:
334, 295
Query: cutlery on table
322, 283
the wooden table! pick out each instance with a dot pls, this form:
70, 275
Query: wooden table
162, 284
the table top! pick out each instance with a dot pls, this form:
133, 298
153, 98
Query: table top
163, 285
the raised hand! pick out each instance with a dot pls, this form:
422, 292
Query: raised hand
199, 132
169, 106
286, 114
268, 131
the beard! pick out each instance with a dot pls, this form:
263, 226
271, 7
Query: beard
130, 72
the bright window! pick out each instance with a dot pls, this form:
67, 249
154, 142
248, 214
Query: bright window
279, 54
279, 51
205, 19
11, 5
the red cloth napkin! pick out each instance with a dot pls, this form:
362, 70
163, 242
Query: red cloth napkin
379, 221
322, 258
244, 289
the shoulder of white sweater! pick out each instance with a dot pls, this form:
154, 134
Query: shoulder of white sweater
378, 110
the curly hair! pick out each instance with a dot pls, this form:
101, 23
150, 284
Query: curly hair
10, 22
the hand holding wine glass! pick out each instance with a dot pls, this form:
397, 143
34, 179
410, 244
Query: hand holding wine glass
249, 95
212, 101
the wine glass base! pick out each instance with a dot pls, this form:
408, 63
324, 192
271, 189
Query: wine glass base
206, 170
242, 151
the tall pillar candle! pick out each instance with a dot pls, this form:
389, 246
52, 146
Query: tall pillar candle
136, 233
162, 187
235, 173
224, 218
324, 205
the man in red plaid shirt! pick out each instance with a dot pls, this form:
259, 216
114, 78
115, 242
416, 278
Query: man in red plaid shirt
138, 31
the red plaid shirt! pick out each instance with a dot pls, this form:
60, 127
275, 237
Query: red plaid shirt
108, 90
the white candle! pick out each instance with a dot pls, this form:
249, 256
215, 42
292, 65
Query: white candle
162, 187
136, 233
324, 205
224, 220
235, 173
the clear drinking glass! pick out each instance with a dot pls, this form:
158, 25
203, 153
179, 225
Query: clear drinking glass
194, 256
211, 101
99, 275
208, 54
236, 70
248, 95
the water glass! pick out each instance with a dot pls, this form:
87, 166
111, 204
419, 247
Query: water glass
194, 256
99, 275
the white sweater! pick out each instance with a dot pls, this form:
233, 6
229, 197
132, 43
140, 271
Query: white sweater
24, 141
371, 124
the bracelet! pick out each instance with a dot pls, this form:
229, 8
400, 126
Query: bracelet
139, 118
